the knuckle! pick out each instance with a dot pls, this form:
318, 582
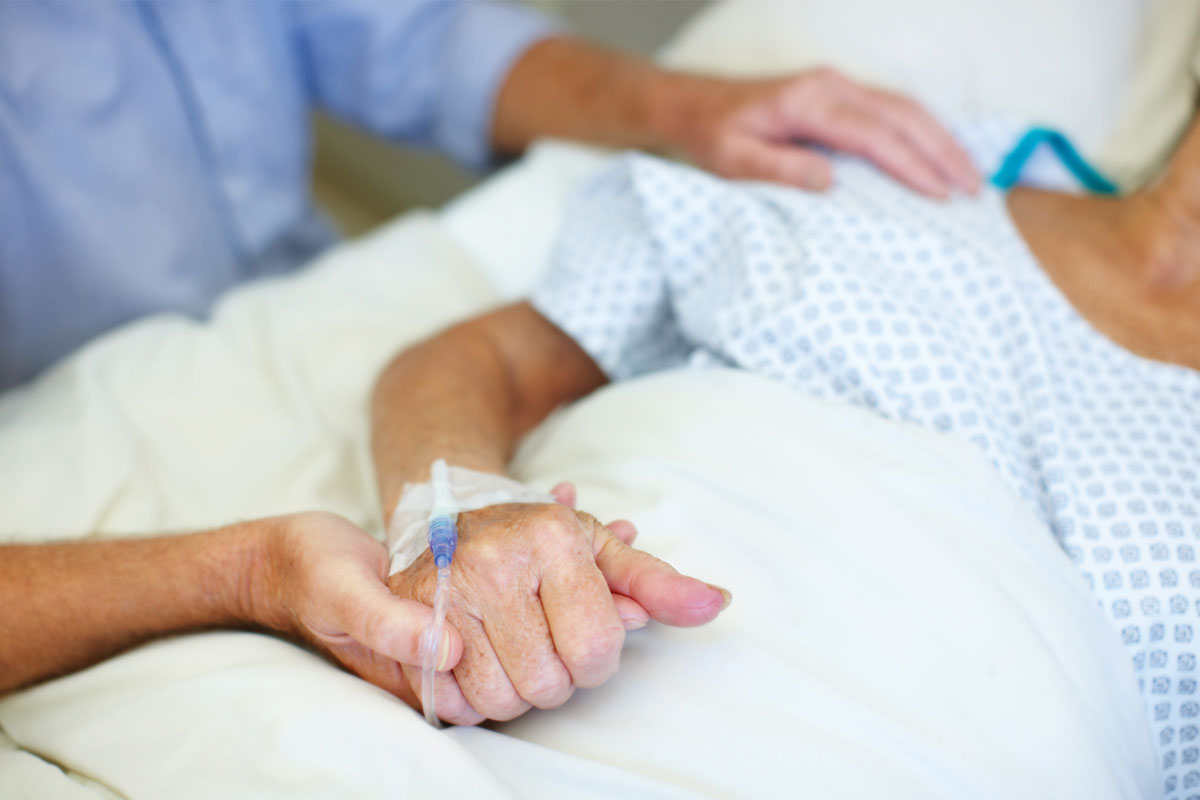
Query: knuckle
372, 623
610, 547
501, 704
594, 658
557, 519
488, 690
484, 551
586, 519
454, 708
452, 704
559, 527
551, 689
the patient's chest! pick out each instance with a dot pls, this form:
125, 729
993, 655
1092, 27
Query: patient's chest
940, 316
925, 312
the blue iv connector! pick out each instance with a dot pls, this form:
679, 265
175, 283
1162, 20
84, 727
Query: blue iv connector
443, 539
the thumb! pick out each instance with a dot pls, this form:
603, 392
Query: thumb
667, 596
370, 614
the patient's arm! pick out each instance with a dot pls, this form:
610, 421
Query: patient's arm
470, 393
313, 577
540, 588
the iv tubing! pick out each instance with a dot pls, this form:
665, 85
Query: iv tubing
443, 539
431, 645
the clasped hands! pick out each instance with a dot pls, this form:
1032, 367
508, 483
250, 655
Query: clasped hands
543, 596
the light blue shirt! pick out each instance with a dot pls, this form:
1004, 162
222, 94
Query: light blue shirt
153, 154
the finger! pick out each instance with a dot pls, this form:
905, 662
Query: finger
746, 157
369, 613
372, 667
860, 131
564, 494
632, 615
579, 608
481, 677
521, 638
449, 703
928, 135
666, 595
623, 529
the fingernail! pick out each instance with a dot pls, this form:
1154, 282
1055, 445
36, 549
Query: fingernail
726, 597
633, 623
444, 653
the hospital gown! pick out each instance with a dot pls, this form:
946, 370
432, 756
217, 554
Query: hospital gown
934, 313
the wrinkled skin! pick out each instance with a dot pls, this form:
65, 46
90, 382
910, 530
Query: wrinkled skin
543, 595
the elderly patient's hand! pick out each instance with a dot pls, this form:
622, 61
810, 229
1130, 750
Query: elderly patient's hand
542, 598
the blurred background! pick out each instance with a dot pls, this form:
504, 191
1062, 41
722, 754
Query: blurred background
362, 181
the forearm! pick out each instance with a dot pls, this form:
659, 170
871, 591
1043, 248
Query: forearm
68, 605
752, 129
470, 393
570, 89
445, 398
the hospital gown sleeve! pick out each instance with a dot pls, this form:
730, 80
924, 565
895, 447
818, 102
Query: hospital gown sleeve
426, 72
606, 286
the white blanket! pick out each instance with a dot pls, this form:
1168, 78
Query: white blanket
900, 627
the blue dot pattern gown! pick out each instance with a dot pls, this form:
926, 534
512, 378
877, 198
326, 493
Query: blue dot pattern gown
926, 312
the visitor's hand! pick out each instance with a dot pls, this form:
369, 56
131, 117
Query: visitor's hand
542, 598
765, 129
321, 579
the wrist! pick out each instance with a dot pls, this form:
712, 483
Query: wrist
671, 108
260, 553
684, 109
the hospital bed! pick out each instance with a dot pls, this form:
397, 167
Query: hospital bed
902, 626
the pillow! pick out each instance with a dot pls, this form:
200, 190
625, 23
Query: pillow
1114, 77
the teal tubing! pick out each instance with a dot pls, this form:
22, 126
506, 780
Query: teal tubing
1010, 169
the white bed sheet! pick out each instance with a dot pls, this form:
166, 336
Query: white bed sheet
901, 627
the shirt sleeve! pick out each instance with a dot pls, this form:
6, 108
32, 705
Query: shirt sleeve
606, 287
426, 72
